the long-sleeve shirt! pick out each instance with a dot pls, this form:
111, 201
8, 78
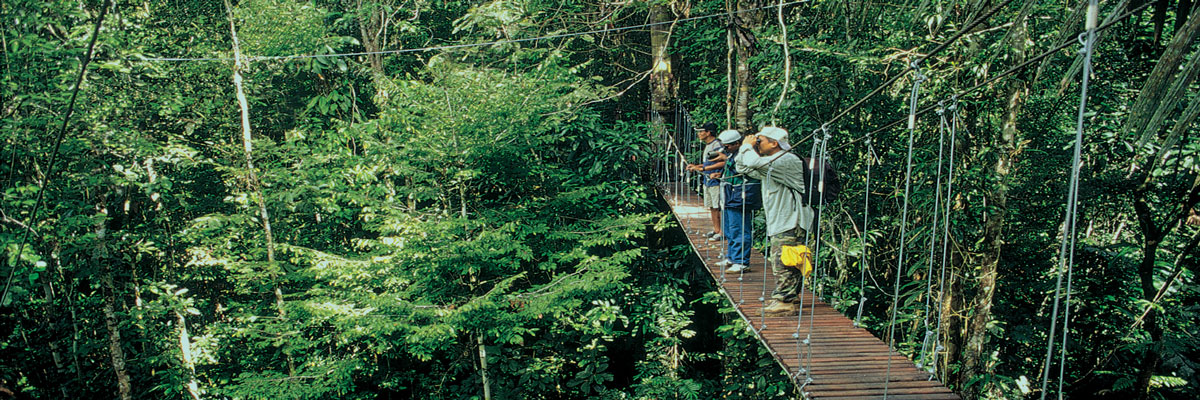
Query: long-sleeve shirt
782, 189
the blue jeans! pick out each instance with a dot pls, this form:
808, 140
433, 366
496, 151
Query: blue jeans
739, 232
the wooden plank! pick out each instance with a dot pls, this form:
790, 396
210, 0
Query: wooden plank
846, 362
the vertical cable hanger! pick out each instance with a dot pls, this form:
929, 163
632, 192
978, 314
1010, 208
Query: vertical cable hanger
918, 78
817, 166
937, 346
863, 261
1066, 255
933, 237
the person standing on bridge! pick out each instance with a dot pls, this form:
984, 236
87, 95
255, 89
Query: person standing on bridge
742, 196
765, 156
711, 161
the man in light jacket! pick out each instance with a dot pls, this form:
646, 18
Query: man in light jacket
765, 156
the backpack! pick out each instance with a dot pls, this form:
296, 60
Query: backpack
825, 181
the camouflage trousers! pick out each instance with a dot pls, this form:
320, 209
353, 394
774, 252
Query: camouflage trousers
787, 279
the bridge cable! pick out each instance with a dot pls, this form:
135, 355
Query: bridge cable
937, 346
742, 234
800, 353
912, 120
823, 139
1066, 255
465, 45
913, 65
1003, 75
933, 237
862, 237
58, 139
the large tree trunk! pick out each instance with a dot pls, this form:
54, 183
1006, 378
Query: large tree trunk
185, 350
662, 79
373, 21
1153, 91
1154, 235
746, 45
1159, 98
254, 183
1182, 13
116, 353
1008, 145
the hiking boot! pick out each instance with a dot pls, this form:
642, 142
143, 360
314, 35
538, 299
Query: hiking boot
786, 298
723, 263
776, 307
714, 237
737, 268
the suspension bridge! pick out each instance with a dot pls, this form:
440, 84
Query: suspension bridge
826, 355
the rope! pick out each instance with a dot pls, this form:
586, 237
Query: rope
937, 346
464, 45
1066, 255
62, 132
912, 121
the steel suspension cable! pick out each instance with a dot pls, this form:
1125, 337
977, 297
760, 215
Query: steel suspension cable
1066, 254
817, 164
58, 139
912, 121
1003, 75
862, 236
937, 346
800, 353
912, 66
468, 45
933, 236
742, 233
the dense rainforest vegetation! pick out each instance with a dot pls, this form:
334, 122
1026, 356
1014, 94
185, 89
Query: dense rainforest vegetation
454, 199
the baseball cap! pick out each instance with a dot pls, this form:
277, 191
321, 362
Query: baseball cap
729, 136
778, 135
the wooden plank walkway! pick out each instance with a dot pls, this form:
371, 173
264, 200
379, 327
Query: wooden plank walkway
845, 362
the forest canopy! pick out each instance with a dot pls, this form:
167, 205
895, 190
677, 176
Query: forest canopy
457, 199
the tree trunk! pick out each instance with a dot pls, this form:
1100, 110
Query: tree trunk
1077, 65
1153, 90
746, 45
372, 25
1182, 12
254, 183
1008, 145
116, 353
185, 350
1154, 234
662, 80
1160, 18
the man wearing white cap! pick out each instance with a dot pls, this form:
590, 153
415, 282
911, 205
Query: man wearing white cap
742, 195
765, 156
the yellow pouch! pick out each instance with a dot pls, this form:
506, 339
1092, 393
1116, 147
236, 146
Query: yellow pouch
798, 257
